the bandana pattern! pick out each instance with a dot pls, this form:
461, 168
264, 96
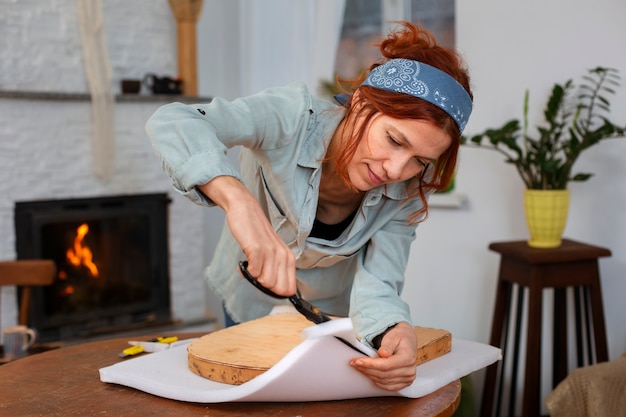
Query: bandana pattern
425, 82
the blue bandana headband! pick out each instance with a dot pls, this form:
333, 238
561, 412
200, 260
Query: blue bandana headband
425, 82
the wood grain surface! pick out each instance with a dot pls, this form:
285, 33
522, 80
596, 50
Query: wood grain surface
64, 382
239, 353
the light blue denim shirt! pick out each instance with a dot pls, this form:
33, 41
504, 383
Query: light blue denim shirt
284, 133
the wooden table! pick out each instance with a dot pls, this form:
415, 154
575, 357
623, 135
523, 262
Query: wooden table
66, 382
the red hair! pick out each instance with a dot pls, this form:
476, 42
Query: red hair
418, 44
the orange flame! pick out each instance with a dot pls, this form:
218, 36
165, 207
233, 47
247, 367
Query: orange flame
67, 291
82, 255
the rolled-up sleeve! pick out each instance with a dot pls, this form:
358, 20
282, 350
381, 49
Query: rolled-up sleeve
375, 301
192, 141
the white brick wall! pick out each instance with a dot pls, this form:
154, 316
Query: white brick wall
45, 144
40, 47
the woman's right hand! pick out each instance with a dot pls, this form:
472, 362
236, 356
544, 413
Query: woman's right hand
270, 261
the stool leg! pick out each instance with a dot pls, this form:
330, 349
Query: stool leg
599, 329
498, 324
532, 381
504, 346
559, 331
516, 349
578, 315
587, 314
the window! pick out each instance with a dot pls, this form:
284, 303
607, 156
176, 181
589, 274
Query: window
367, 21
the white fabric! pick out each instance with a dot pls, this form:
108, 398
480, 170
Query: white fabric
283, 41
315, 370
326, 35
99, 79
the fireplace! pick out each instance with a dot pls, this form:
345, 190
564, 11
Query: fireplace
112, 260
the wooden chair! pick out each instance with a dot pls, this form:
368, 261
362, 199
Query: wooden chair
26, 274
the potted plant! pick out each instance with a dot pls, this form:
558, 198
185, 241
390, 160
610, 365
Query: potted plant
576, 118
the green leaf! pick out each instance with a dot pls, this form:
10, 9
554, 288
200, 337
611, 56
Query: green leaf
581, 177
575, 118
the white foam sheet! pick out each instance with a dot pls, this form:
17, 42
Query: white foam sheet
315, 370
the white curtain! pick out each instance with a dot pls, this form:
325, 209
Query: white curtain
99, 79
288, 40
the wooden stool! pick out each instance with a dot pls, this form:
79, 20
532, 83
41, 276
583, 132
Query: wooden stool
574, 265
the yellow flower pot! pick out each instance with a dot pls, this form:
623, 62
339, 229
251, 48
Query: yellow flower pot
546, 215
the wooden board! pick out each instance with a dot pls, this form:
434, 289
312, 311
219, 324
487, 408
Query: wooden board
239, 353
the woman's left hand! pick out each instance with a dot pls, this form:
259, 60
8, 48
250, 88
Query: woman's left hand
394, 369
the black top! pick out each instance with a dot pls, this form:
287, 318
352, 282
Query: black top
331, 231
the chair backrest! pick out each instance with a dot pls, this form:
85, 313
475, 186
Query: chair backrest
27, 273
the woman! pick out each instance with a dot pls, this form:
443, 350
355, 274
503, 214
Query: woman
328, 197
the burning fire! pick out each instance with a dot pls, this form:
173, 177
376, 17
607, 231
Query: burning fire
80, 254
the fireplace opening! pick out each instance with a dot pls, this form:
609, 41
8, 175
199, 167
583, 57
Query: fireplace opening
112, 261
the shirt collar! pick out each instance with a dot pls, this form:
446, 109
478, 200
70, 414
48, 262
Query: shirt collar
323, 123
396, 191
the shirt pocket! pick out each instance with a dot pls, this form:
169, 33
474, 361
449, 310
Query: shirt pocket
330, 260
312, 258
277, 217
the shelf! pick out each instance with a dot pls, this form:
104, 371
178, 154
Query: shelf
450, 200
120, 98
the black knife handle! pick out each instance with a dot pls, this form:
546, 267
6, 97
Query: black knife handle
243, 267
305, 308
